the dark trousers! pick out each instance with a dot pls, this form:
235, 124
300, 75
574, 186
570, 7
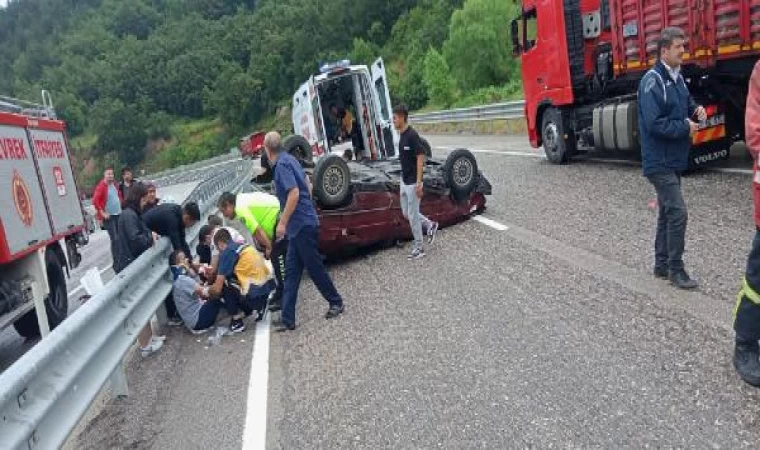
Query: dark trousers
671, 221
207, 314
747, 312
233, 299
303, 252
257, 296
279, 254
111, 226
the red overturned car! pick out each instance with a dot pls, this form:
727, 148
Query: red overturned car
344, 138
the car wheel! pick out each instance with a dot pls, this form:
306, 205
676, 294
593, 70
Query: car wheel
461, 173
56, 303
332, 182
558, 149
300, 149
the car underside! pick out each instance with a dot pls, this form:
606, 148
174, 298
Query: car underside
359, 206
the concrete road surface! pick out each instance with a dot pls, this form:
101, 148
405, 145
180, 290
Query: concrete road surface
96, 254
537, 325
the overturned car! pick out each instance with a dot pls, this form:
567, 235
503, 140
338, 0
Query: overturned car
358, 200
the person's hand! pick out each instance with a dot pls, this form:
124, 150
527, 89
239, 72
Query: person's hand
418, 190
106, 216
268, 252
280, 230
701, 113
693, 127
156, 237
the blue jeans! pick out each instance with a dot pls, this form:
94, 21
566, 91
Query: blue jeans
671, 221
303, 252
207, 315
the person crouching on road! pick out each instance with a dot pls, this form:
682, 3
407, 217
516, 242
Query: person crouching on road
665, 125
299, 223
243, 280
747, 311
134, 238
412, 156
259, 213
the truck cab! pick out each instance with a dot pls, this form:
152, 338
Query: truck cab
346, 107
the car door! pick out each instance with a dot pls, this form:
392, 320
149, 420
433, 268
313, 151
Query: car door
384, 109
307, 117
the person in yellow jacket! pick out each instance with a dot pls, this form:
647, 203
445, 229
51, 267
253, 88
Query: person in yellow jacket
259, 212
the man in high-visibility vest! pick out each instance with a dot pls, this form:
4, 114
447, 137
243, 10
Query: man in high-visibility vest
747, 311
259, 213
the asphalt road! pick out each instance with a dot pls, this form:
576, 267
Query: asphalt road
96, 254
549, 333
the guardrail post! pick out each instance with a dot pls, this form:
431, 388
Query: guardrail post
119, 386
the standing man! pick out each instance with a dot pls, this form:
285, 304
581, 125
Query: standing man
666, 110
259, 212
107, 201
298, 221
412, 156
747, 311
170, 219
127, 180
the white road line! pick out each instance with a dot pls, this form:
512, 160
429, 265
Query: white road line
491, 223
81, 288
255, 431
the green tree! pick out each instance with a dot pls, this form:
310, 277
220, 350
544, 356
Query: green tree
478, 49
437, 77
121, 130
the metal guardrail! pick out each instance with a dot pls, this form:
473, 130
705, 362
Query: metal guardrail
46, 392
497, 111
233, 155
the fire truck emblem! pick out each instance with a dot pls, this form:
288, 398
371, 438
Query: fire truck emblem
21, 200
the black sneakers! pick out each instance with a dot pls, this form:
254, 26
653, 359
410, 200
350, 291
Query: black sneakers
237, 326
334, 311
661, 272
681, 280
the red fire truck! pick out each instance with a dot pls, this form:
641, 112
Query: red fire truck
41, 219
582, 61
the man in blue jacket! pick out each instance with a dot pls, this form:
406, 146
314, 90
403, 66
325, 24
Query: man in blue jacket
666, 110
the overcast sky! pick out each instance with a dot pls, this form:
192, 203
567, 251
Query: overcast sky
3, 3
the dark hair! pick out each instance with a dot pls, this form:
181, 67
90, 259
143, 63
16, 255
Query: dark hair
226, 199
204, 232
400, 110
348, 154
222, 236
215, 221
126, 169
174, 256
667, 36
136, 193
192, 210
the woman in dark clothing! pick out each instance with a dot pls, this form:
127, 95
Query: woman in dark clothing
134, 238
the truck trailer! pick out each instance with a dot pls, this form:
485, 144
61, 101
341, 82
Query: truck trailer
582, 61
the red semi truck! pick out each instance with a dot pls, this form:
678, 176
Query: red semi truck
41, 219
582, 61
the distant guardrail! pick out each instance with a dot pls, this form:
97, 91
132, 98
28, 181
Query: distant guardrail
496, 111
45, 393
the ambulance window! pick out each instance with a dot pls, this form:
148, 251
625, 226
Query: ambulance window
382, 98
529, 29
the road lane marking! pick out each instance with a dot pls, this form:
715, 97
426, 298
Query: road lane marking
81, 288
491, 223
255, 431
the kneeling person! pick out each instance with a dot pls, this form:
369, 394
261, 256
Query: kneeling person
197, 311
243, 279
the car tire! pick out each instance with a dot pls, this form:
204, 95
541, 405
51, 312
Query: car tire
332, 182
56, 303
300, 149
461, 173
558, 149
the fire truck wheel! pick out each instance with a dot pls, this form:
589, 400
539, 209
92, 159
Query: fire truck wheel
332, 181
556, 145
56, 304
299, 147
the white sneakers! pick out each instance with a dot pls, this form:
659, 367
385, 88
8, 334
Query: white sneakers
156, 342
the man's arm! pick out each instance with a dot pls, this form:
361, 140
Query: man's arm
262, 238
215, 290
99, 200
752, 118
290, 206
651, 102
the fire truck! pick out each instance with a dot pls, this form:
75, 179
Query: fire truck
582, 61
42, 223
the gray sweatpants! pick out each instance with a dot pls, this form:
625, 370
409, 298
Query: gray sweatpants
410, 207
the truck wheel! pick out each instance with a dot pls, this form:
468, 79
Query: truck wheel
557, 148
332, 182
56, 303
299, 147
461, 173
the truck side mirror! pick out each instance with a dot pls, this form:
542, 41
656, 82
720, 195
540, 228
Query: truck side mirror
515, 33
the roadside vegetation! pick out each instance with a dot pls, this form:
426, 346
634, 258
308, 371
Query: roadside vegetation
159, 83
